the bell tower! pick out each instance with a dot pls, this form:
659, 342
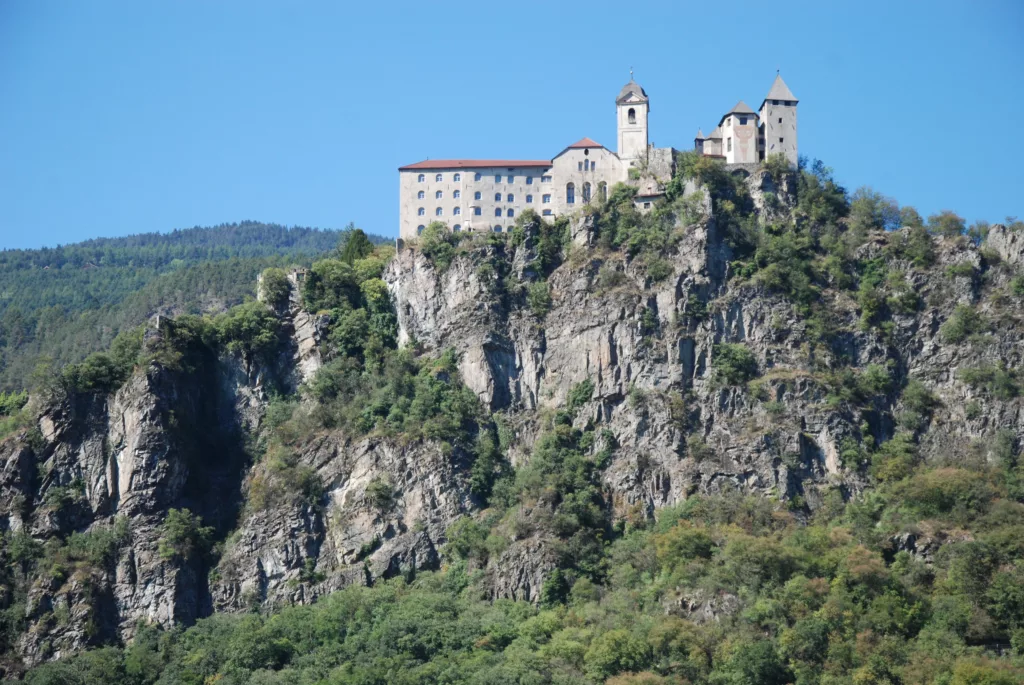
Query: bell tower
632, 107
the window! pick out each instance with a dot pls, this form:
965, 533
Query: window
457, 194
545, 199
743, 122
457, 210
586, 192
529, 180
477, 177
775, 102
438, 212
510, 213
510, 198
780, 140
632, 115
581, 166
545, 179
497, 178
476, 195
457, 178
497, 211
546, 212
421, 211
593, 165
439, 178
728, 142
529, 199
421, 178
457, 227
497, 197
419, 229
586, 165
476, 211
497, 229
420, 195
570, 194
647, 205
511, 179
438, 195
602, 191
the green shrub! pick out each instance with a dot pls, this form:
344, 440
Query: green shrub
274, 287
733, 364
250, 329
12, 402
183, 536
995, 381
437, 244
963, 323
579, 394
538, 297
380, 495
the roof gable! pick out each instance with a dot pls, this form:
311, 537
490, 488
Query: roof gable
475, 164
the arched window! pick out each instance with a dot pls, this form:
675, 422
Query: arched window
420, 211
602, 191
457, 227
497, 178
457, 194
497, 197
497, 211
476, 195
458, 177
477, 177
438, 195
420, 195
421, 178
457, 210
419, 229
511, 179
632, 115
529, 199
439, 178
510, 198
529, 180
497, 229
586, 192
511, 213
438, 212
570, 194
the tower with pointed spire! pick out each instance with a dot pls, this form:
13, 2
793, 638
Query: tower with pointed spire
632, 107
778, 122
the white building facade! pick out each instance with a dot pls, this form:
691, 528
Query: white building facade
488, 194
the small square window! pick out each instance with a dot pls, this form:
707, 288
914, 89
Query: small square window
545, 199
497, 178
780, 140
546, 212
476, 195
529, 199
458, 177
545, 179
743, 121
457, 194
529, 180
439, 178
511, 179
647, 205
476, 211
477, 177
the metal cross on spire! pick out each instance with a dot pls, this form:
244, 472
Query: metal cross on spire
631, 73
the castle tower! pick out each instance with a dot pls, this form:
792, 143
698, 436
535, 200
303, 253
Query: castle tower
778, 122
632, 107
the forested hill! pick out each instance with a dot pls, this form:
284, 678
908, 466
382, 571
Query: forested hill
67, 301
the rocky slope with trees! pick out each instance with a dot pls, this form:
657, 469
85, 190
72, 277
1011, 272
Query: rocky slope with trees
766, 433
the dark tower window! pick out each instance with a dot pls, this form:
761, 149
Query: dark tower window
632, 115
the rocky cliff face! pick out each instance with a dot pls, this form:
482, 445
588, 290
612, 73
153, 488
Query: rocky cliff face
103, 472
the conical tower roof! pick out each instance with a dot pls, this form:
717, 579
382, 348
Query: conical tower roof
780, 91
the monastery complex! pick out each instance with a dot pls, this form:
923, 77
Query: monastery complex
488, 194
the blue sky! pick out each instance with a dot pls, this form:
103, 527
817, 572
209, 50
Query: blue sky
127, 117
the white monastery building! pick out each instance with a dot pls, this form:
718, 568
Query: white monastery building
488, 194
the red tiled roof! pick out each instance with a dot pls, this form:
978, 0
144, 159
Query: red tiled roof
475, 163
586, 142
